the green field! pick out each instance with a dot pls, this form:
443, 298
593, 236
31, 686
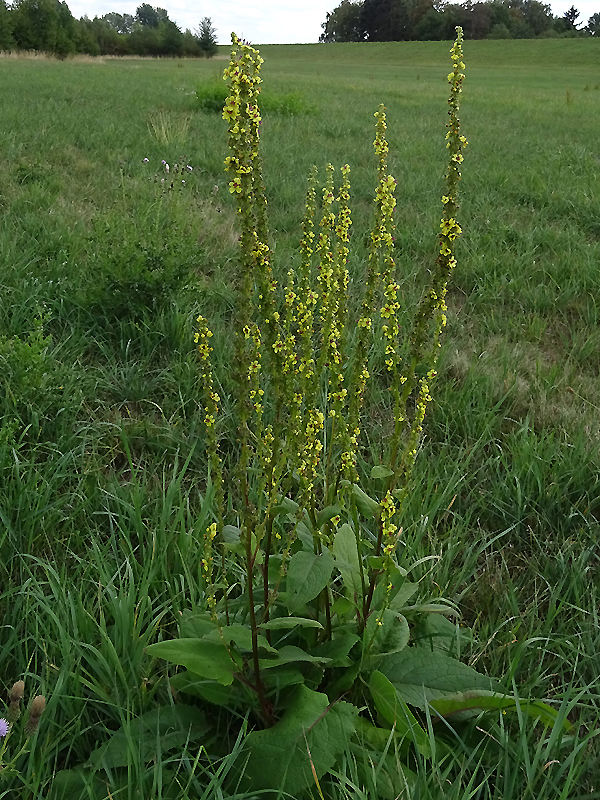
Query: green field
104, 270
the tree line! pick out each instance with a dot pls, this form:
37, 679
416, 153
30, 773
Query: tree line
405, 20
49, 26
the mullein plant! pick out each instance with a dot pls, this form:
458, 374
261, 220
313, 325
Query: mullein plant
305, 602
9, 724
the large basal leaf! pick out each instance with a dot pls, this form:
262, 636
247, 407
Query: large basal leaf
421, 676
149, 735
205, 658
395, 711
466, 703
279, 757
196, 624
390, 637
308, 574
346, 559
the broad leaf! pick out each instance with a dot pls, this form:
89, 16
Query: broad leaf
366, 505
288, 655
279, 756
278, 678
155, 732
240, 636
346, 559
436, 632
195, 625
390, 637
404, 593
395, 711
308, 574
337, 649
208, 659
213, 692
488, 701
326, 514
380, 471
290, 622
422, 677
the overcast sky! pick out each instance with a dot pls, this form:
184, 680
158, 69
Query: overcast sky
266, 22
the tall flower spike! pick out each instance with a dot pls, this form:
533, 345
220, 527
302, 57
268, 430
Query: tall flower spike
433, 305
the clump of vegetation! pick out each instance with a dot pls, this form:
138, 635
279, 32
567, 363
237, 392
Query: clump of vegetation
213, 95
310, 620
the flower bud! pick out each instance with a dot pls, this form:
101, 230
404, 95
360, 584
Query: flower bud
16, 693
35, 712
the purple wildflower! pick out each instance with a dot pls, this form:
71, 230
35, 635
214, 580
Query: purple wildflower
4, 726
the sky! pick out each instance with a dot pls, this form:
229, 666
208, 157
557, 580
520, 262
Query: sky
266, 22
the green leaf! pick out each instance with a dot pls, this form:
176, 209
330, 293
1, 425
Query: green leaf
404, 593
279, 756
381, 472
326, 514
382, 596
290, 622
395, 711
231, 534
240, 636
422, 677
213, 692
342, 606
489, 701
366, 505
288, 655
308, 574
209, 659
77, 784
436, 632
390, 637
346, 559
337, 649
195, 625
279, 678
149, 735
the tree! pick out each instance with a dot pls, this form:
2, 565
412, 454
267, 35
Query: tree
35, 24
343, 24
593, 25
149, 16
6, 28
121, 23
207, 38
570, 16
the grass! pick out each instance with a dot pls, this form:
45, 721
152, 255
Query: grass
102, 471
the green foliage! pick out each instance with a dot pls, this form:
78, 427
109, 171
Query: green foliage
207, 38
212, 96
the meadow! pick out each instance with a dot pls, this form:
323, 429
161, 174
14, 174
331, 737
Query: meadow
107, 259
